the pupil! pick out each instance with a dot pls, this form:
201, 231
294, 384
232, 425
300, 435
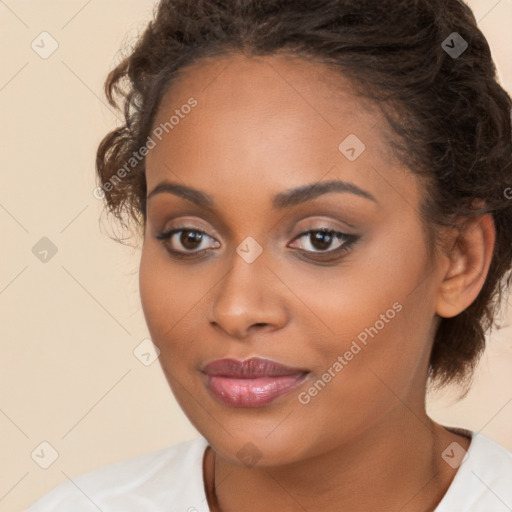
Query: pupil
188, 236
324, 238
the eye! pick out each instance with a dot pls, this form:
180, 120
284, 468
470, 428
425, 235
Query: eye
320, 241
192, 240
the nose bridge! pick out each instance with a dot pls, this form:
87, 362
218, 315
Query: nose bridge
246, 295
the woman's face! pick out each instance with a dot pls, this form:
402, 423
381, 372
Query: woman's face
354, 313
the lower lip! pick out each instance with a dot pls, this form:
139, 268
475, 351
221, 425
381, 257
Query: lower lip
252, 392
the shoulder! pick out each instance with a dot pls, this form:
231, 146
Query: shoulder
168, 479
483, 481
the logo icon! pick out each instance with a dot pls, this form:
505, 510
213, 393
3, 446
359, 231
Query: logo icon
249, 249
44, 455
44, 45
44, 250
454, 45
146, 352
454, 455
249, 454
352, 147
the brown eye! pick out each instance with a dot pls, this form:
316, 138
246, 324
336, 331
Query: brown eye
190, 240
321, 240
324, 245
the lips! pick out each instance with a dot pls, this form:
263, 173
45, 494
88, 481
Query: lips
251, 383
249, 369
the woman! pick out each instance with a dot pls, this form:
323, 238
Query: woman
320, 189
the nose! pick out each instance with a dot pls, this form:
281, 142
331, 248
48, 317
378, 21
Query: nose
248, 298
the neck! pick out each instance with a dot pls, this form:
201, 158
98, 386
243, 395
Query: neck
394, 466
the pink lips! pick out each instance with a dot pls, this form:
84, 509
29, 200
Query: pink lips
251, 383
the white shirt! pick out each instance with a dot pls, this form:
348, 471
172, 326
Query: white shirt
171, 480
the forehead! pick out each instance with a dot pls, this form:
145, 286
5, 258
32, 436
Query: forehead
276, 120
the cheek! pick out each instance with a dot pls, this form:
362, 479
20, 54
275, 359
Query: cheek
377, 372
168, 298
376, 309
346, 300
150, 286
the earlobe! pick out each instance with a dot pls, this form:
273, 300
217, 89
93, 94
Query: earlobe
470, 259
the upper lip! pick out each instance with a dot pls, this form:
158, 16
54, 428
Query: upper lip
249, 368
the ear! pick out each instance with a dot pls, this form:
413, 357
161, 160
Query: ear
469, 261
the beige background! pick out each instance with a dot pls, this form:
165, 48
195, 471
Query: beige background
69, 326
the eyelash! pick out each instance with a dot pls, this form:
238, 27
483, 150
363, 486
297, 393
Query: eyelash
349, 240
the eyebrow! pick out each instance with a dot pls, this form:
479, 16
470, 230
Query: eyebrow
285, 199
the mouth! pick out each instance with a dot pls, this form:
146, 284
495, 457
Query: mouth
251, 383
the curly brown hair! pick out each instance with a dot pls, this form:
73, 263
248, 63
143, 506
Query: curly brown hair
450, 118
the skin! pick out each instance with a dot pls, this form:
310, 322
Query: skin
263, 126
